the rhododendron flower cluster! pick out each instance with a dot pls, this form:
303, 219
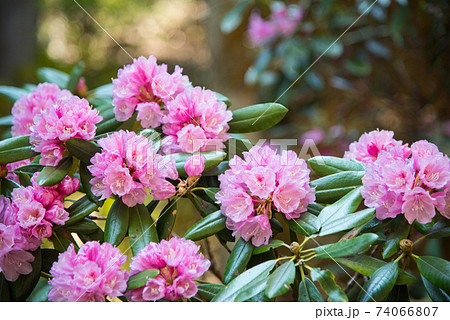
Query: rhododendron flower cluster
14, 257
263, 180
178, 263
413, 181
127, 165
369, 146
89, 275
146, 87
283, 21
28, 106
68, 117
196, 121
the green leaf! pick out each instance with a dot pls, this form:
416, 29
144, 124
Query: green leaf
5, 289
213, 158
39, 293
326, 280
117, 222
440, 229
211, 224
24, 285
339, 180
274, 243
381, 282
75, 76
222, 98
237, 145
79, 210
166, 220
332, 195
332, 215
256, 118
153, 136
84, 226
368, 265
307, 224
307, 292
233, 18
346, 247
244, 281
211, 193
24, 179
54, 76
107, 125
6, 121
51, 176
221, 168
140, 279
48, 257
97, 235
326, 165
238, 260
82, 149
436, 270
14, 143
101, 95
17, 154
207, 291
12, 93
398, 294
399, 231
7, 186
436, 294
251, 291
29, 169
348, 221
141, 229
60, 242
281, 279
85, 180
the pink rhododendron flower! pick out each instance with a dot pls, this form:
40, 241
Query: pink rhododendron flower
369, 145
68, 117
283, 21
89, 275
178, 263
146, 87
195, 165
415, 186
127, 165
29, 105
196, 121
259, 183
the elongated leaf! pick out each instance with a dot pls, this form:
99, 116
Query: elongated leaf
75, 76
12, 93
29, 169
436, 270
326, 165
381, 282
7, 187
221, 168
166, 220
398, 294
308, 292
346, 247
85, 180
51, 176
252, 290
141, 229
60, 240
207, 291
107, 125
238, 260
153, 136
440, 229
79, 210
97, 235
222, 98
24, 179
436, 294
368, 265
213, 158
307, 224
84, 226
274, 243
315, 208
326, 280
48, 257
339, 180
256, 118
39, 293
347, 221
243, 281
14, 155
117, 222
236, 145
14, 143
281, 279
211, 193
140, 279
24, 285
206, 227
332, 195
233, 18
82, 149
6, 121
398, 232
54, 76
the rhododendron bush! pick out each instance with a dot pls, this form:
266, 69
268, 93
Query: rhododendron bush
84, 173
